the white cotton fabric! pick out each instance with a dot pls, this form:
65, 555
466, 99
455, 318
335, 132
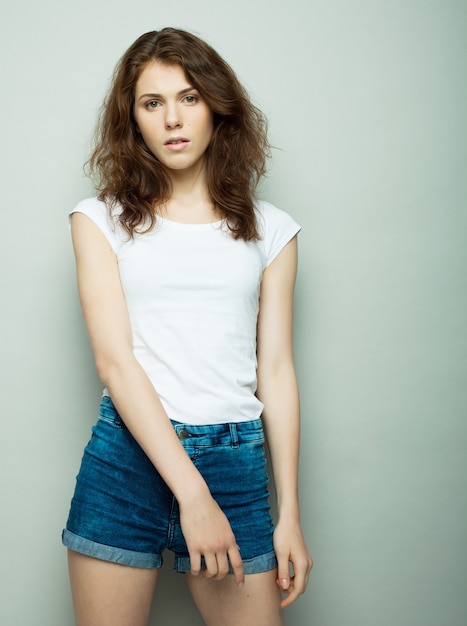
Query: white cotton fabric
192, 293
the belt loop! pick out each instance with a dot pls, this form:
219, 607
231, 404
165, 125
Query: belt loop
233, 435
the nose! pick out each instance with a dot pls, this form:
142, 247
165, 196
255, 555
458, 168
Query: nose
172, 117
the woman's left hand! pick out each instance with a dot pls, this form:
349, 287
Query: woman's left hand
290, 548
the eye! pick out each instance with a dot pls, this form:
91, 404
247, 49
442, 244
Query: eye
190, 99
152, 104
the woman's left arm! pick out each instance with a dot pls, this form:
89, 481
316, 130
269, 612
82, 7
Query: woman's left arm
278, 391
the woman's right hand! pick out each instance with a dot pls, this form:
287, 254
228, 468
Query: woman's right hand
208, 534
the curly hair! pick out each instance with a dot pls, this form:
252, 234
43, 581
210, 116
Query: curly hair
129, 174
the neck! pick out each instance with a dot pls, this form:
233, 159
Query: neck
190, 201
190, 180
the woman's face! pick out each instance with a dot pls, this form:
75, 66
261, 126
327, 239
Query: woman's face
175, 122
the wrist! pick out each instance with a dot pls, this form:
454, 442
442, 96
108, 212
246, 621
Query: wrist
193, 493
287, 500
288, 509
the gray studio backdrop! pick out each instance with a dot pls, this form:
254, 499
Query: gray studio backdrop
367, 105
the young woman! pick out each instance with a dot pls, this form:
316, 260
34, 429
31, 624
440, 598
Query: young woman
186, 284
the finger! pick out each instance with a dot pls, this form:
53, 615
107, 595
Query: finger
211, 565
283, 574
292, 595
222, 566
300, 577
303, 573
237, 565
297, 583
195, 563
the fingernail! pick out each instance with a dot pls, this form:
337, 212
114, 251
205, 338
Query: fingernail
284, 583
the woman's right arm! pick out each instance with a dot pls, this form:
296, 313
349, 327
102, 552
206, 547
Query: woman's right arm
205, 527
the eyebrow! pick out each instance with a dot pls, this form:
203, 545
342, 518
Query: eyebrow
158, 95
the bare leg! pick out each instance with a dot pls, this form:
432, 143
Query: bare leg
222, 603
109, 594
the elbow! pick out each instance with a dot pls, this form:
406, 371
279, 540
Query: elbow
110, 367
104, 370
276, 369
275, 376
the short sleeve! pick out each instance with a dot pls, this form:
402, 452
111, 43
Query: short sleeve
276, 228
98, 212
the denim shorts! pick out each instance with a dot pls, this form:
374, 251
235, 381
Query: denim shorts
123, 512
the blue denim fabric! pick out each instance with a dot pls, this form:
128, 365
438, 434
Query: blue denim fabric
122, 511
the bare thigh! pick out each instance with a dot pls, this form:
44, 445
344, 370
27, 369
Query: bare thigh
109, 594
221, 602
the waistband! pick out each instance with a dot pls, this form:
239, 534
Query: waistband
228, 433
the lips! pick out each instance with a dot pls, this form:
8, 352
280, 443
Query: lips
174, 141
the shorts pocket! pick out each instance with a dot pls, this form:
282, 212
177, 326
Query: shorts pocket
108, 413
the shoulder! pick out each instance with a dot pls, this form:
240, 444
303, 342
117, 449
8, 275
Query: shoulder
95, 208
105, 217
276, 228
262, 207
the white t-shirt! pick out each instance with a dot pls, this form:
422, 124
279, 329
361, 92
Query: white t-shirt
192, 293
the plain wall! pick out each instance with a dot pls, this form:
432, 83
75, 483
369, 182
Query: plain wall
367, 105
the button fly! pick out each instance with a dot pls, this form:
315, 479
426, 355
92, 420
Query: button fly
183, 434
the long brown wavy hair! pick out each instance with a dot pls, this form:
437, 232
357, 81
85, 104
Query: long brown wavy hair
127, 172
